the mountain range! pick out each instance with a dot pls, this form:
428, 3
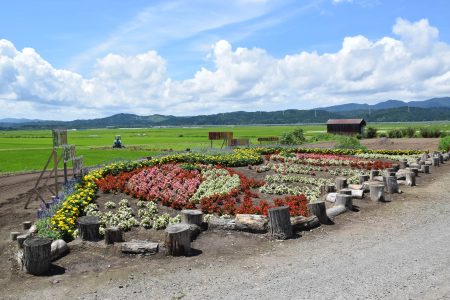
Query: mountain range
436, 109
430, 103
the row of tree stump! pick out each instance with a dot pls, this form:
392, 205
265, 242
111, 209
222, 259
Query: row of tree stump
378, 184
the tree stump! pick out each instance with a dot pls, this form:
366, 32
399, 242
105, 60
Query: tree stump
373, 174
26, 225
178, 240
113, 235
341, 183
424, 157
37, 255
191, 216
358, 194
21, 238
435, 161
328, 188
410, 178
363, 178
88, 227
377, 192
425, 169
345, 192
331, 188
391, 185
344, 200
280, 223
13, 235
403, 164
319, 210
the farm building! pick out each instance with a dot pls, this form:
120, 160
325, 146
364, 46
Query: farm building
346, 126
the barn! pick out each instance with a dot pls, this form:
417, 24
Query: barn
346, 126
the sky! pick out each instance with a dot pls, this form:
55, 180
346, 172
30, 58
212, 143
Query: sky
65, 60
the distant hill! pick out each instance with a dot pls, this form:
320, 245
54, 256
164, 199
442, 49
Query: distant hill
430, 103
436, 109
16, 121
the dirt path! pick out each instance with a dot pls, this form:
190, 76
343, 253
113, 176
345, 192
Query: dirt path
398, 250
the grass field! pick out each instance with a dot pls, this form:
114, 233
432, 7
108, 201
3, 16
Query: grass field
26, 150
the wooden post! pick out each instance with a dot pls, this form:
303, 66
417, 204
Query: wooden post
178, 240
392, 185
363, 178
377, 192
410, 178
280, 222
319, 210
55, 167
192, 216
415, 171
341, 183
88, 227
37, 255
113, 235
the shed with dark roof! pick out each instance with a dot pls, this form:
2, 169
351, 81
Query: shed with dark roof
346, 126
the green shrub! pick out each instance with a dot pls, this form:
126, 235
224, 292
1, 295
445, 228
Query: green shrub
430, 132
395, 133
43, 229
295, 137
408, 132
382, 135
371, 132
444, 144
349, 142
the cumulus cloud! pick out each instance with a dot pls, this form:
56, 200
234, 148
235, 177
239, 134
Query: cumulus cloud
411, 64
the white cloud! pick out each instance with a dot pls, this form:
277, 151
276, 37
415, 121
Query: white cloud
412, 64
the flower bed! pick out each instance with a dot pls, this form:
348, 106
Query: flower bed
220, 193
216, 181
169, 184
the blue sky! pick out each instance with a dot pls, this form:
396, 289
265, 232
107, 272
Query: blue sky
192, 57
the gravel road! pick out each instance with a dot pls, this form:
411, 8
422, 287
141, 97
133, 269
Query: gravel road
397, 250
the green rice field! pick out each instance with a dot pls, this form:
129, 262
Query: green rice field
27, 150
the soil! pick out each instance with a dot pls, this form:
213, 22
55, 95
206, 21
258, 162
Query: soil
95, 271
430, 144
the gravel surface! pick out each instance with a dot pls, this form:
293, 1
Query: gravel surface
397, 250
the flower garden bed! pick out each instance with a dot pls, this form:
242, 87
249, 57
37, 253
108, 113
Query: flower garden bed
245, 181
